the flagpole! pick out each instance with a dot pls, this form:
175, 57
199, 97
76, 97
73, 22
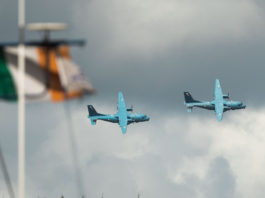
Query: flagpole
21, 100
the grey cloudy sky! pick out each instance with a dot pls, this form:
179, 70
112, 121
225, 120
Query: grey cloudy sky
152, 50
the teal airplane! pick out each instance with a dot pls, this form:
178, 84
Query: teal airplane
122, 117
220, 103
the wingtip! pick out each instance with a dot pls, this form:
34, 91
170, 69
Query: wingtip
123, 130
219, 119
217, 80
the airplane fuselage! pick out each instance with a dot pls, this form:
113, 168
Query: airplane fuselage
131, 118
228, 105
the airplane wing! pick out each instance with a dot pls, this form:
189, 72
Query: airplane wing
122, 112
219, 100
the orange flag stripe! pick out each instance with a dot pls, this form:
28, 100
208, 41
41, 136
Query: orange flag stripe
55, 88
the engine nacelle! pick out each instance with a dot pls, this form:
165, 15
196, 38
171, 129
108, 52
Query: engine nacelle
226, 96
130, 108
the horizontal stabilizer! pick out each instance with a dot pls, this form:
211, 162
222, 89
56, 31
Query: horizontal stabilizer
93, 122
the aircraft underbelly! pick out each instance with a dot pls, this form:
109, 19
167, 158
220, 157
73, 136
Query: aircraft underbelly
207, 107
113, 120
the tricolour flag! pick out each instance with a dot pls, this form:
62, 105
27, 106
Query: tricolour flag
50, 74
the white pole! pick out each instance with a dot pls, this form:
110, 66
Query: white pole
21, 100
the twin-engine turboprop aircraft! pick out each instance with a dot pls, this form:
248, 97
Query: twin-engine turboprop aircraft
123, 117
220, 103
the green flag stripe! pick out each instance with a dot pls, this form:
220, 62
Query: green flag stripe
7, 86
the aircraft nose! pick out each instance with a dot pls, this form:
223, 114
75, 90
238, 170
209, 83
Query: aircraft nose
147, 118
241, 104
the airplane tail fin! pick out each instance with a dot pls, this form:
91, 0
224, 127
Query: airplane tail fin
92, 112
188, 98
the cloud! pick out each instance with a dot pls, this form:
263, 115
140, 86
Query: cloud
155, 50
219, 181
169, 156
150, 27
